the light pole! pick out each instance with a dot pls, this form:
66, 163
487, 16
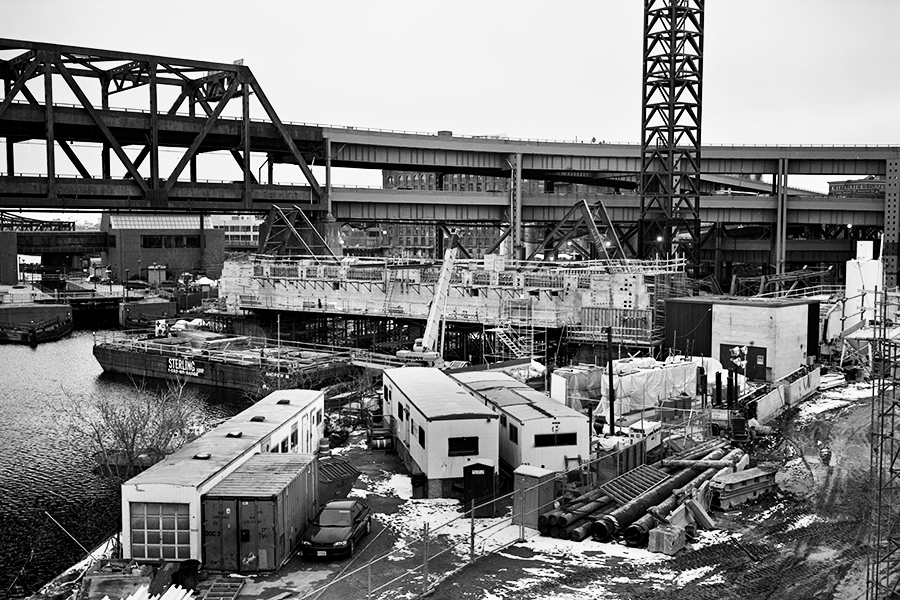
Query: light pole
125, 286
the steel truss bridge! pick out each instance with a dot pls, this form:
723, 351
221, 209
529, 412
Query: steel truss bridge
149, 157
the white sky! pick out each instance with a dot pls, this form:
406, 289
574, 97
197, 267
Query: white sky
775, 71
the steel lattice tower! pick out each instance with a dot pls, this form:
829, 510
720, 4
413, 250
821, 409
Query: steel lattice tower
670, 140
883, 574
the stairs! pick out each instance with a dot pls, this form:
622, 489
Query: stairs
223, 588
389, 289
509, 339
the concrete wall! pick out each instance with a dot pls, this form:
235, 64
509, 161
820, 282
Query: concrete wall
9, 268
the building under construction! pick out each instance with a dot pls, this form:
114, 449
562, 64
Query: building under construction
494, 308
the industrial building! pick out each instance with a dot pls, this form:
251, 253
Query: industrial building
161, 507
182, 243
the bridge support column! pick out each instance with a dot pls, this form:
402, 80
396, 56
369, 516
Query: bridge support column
9, 269
780, 241
891, 235
328, 212
330, 230
516, 241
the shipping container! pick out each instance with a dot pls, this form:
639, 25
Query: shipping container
254, 518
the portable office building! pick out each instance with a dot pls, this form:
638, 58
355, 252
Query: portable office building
255, 517
534, 430
438, 428
161, 507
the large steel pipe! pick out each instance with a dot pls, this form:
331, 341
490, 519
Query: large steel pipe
606, 526
637, 533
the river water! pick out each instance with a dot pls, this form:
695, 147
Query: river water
43, 470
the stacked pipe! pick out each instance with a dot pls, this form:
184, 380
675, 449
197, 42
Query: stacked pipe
606, 526
638, 532
548, 523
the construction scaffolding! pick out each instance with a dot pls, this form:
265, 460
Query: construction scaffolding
883, 573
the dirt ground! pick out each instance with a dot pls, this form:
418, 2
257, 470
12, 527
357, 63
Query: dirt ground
805, 541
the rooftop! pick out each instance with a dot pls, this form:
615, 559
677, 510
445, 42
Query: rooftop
436, 395
262, 476
182, 469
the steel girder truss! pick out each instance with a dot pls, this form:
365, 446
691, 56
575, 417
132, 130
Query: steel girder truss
883, 573
206, 86
563, 237
10, 222
670, 140
291, 233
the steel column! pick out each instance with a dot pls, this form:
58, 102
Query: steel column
10, 145
48, 112
328, 213
891, 227
105, 166
154, 129
780, 241
245, 134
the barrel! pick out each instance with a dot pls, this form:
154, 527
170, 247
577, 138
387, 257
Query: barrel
324, 447
380, 443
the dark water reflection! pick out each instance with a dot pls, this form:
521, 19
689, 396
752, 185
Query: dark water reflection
43, 469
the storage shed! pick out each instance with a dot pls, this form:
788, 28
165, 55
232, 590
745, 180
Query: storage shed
161, 507
255, 517
534, 430
761, 338
438, 428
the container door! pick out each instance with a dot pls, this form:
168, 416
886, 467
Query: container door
220, 534
269, 557
249, 537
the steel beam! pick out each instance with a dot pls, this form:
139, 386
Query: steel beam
891, 248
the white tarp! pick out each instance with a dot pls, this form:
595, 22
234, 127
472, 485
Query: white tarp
645, 383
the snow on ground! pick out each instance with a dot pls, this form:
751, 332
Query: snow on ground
833, 399
804, 522
344, 449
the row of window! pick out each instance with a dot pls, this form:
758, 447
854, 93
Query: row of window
160, 531
170, 241
541, 440
290, 443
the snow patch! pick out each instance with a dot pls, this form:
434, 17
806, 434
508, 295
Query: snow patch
804, 522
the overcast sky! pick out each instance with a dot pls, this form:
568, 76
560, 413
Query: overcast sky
775, 71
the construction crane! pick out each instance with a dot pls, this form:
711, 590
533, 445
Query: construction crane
428, 350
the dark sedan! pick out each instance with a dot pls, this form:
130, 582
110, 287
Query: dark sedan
336, 529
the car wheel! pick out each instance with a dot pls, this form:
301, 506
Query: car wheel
352, 547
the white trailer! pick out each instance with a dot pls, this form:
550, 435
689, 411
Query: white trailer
437, 427
161, 507
534, 430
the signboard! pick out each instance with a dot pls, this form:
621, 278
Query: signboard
184, 366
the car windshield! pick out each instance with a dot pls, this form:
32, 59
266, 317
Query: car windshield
332, 517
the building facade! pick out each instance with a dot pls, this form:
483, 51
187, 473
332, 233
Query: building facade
181, 243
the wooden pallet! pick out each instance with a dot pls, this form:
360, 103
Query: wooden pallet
223, 588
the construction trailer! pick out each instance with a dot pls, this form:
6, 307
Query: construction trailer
438, 429
254, 518
763, 339
534, 430
162, 506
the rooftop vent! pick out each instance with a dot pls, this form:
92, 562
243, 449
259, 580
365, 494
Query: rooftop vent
258, 419
284, 401
234, 434
203, 456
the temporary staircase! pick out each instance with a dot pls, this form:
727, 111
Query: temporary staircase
512, 342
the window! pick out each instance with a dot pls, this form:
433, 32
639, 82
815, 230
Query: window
513, 434
400, 411
502, 420
151, 241
462, 446
422, 436
545, 440
295, 437
319, 417
160, 531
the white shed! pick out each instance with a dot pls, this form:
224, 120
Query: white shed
438, 428
161, 507
534, 430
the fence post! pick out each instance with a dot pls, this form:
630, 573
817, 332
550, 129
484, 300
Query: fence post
472, 535
425, 560
521, 493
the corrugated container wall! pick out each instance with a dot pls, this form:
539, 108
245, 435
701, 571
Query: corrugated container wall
689, 327
254, 518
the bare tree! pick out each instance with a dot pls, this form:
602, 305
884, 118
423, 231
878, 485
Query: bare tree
130, 431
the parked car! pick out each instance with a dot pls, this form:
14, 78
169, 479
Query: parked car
337, 529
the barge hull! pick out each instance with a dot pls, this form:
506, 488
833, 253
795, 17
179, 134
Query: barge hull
197, 370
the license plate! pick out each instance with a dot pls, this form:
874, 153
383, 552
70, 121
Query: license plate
320, 553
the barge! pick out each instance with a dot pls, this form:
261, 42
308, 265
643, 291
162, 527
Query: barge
34, 323
240, 363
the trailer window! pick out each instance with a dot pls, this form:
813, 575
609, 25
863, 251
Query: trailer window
400, 411
160, 531
513, 434
422, 436
462, 446
545, 440
502, 420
